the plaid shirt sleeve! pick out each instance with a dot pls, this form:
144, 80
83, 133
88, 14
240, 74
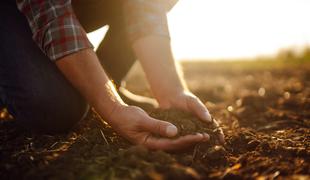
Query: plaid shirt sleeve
147, 17
54, 26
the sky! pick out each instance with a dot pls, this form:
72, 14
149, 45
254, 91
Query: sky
229, 29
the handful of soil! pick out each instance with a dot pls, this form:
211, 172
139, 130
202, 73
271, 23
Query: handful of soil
188, 123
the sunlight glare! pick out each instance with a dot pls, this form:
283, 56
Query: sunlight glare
206, 29
240, 28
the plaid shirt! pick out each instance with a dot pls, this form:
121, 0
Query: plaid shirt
58, 33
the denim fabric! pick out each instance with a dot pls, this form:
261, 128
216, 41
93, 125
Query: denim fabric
31, 87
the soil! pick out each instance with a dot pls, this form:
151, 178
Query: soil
262, 107
188, 123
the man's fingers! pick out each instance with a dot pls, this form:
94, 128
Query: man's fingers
198, 108
206, 137
176, 144
162, 128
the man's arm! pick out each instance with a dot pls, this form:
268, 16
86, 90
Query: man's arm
165, 78
167, 84
148, 32
84, 71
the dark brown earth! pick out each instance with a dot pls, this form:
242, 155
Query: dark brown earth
188, 124
263, 108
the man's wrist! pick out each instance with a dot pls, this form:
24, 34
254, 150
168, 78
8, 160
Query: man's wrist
108, 101
169, 88
167, 99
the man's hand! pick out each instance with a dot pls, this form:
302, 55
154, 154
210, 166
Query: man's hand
139, 128
188, 102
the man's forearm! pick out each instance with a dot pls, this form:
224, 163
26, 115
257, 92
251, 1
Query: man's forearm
154, 53
85, 72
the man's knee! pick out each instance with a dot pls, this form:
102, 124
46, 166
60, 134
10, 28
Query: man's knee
51, 114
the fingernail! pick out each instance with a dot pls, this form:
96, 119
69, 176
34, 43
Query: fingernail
208, 116
206, 137
171, 131
200, 135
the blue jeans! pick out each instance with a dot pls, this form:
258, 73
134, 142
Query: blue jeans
32, 88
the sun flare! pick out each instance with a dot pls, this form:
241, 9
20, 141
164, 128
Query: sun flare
205, 29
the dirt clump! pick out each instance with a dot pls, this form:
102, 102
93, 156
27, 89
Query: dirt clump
189, 124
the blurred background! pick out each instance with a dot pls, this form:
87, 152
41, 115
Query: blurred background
229, 30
